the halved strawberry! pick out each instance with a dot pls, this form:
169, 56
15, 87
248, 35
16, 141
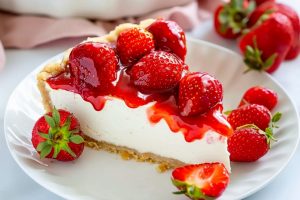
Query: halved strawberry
156, 72
261, 96
198, 93
250, 114
201, 181
133, 44
93, 64
168, 36
57, 135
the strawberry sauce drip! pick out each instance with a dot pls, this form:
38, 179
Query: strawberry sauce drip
122, 89
192, 127
165, 107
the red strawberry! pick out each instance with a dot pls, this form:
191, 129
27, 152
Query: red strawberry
157, 71
198, 93
247, 145
57, 135
133, 44
250, 114
266, 45
264, 11
261, 96
259, 2
230, 19
169, 36
201, 181
93, 64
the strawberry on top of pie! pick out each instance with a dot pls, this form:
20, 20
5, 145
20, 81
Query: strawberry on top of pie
134, 95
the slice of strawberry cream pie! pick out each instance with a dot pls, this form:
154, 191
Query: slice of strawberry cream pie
134, 95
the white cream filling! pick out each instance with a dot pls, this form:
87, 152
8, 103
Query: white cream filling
120, 125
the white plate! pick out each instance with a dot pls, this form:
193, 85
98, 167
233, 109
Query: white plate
105, 176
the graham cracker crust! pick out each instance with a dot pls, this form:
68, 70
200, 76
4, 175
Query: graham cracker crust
126, 153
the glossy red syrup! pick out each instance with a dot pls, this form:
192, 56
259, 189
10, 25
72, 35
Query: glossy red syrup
192, 127
165, 107
122, 89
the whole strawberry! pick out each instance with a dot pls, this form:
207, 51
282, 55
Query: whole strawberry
133, 44
250, 114
93, 64
266, 45
265, 10
231, 19
261, 96
156, 72
198, 93
247, 145
57, 135
201, 181
168, 36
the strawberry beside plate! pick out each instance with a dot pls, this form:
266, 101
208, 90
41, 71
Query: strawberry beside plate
99, 175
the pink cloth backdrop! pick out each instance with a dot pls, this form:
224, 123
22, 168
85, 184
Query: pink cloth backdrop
19, 31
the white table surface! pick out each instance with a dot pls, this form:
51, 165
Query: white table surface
15, 184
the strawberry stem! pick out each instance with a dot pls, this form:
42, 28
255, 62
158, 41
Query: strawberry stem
253, 58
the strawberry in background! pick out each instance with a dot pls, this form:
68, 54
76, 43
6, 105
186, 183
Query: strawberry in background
231, 19
259, 2
265, 46
265, 10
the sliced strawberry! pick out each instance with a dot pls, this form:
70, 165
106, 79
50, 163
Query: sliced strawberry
231, 19
266, 45
198, 93
133, 44
57, 135
250, 114
201, 181
156, 72
169, 36
93, 64
261, 96
265, 10
247, 145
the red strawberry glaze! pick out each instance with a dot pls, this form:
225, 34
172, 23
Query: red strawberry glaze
165, 107
122, 89
192, 127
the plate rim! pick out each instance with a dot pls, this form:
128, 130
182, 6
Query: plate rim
189, 39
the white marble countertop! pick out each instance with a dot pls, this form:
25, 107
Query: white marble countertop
15, 184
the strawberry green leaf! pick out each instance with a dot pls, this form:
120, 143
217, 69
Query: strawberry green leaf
227, 112
77, 139
270, 61
276, 117
41, 146
179, 192
67, 123
56, 116
50, 121
43, 135
67, 149
56, 151
45, 151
